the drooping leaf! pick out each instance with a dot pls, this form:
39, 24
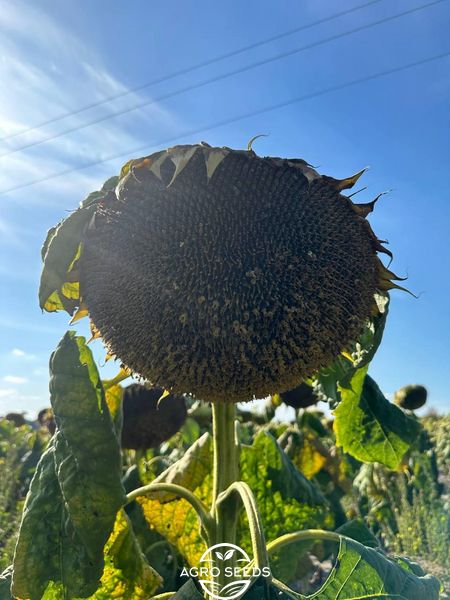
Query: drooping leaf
271, 474
48, 548
88, 465
76, 491
357, 356
173, 517
286, 499
56, 290
59, 287
113, 397
357, 530
127, 574
369, 427
362, 573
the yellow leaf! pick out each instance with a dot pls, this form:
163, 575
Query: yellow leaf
127, 575
311, 457
71, 290
173, 517
113, 397
80, 314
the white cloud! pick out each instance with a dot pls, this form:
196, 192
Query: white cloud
14, 379
22, 354
18, 352
13, 401
37, 91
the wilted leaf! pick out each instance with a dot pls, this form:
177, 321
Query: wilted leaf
127, 575
88, 465
76, 490
358, 355
173, 517
362, 573
59, 288
61, 250
113, 397
287, 500
369, 427
48, 547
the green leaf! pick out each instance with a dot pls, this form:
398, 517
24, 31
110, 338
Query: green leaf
357, 530
5, 584
88, 465
95, 197
48, 547
369, 427
59, 287
76, 491
286, 500
272, 475
362, 573
328, 380
188, 591
127, 575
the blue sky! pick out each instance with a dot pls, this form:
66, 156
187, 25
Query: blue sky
56, 57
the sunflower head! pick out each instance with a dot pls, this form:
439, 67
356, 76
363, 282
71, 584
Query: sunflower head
221, 273
411, 397
301, 396
149, 417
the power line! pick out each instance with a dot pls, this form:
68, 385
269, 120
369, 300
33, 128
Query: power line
195, 67
223, 76
235, 119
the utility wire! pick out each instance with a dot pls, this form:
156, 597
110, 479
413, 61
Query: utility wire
223, 76
235, 119
206, 63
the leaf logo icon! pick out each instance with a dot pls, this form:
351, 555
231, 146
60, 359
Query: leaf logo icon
231, 590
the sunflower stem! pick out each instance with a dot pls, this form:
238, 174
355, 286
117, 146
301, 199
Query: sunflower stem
299, 536
226, 448
244, 492
225, 473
